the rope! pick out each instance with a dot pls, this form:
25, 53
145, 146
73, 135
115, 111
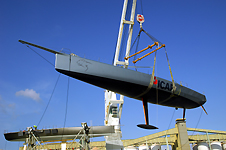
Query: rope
54, 86
40, 55
65, 118
18, 145
152, 37
67, 102
157, 99
49, 99
170, 121
5, 144
198, 121
195, 127
138, 36
134, 58
137, 39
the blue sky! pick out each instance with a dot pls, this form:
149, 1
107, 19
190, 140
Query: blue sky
194, 33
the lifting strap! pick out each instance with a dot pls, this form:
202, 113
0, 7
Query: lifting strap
151, 81
156, 43
174, 87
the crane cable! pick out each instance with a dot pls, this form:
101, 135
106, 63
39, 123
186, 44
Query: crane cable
141, 5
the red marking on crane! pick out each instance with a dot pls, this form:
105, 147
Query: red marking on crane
140, 18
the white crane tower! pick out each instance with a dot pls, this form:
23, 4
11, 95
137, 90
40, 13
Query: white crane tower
113, 107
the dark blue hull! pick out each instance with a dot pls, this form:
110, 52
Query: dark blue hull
128, 82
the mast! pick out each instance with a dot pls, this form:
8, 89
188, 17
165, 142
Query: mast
113, 107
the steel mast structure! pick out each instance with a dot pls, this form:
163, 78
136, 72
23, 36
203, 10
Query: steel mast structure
113, 107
